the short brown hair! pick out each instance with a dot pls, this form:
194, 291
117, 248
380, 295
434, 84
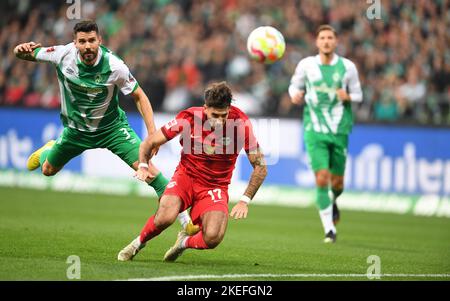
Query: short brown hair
85, 26
325, 27
218, 95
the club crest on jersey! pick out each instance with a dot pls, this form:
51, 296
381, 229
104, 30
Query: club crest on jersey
50, 49
336, 77
98, 78
226, 140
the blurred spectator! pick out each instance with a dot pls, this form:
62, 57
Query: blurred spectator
410, 95
386, 107
174, 48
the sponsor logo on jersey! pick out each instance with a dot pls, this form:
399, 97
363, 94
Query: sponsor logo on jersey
70, 71
324, 88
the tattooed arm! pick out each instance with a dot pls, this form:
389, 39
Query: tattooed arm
259, 173
25, 51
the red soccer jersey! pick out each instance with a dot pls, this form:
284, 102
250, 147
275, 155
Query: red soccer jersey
209, 155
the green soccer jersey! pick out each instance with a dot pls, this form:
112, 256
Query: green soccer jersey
324, 112
89, 94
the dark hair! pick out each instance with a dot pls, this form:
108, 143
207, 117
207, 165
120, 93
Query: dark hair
218, 95
85, 26
325, 27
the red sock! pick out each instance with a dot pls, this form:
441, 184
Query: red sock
149, 230
196, 242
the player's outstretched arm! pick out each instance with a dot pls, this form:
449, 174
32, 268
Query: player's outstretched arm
25, 51
259, 173
145, 108
146, 151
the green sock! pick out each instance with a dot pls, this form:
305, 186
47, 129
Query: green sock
44, 156
336, 192
159, 184
322, 198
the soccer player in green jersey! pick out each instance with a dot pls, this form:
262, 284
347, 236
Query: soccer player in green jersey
327, 83
89, 77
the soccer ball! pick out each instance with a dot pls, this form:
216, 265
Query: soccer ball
265, 44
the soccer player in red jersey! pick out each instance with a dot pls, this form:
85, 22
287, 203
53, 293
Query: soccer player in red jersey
212, 137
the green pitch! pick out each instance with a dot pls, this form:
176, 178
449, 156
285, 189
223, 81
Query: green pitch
39, 230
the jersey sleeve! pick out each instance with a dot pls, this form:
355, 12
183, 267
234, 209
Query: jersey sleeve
125, 80
353, 84
298, 79
177, 125
52, 54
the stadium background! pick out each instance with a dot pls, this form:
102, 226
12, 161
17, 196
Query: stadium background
174, 48
398, 155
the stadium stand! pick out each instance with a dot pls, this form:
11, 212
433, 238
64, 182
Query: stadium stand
174, 48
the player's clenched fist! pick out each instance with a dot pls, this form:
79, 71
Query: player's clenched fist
298, 97
342, 95
240, 210
26, 47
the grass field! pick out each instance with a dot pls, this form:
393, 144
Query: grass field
40, 229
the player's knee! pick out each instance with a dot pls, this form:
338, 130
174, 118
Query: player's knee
212, 238
338, 187
337, 183
164, 219
48, 170
323, 178
163, 222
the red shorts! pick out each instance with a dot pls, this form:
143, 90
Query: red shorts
199, 197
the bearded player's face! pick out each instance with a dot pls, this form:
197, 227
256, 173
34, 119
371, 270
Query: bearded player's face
217, 116
88, 43
326, 41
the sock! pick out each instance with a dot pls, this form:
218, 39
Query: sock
326, 216
184, 218
137, 242
159, 183
336, 193
44, 156
322, 198
149, 231
196, 242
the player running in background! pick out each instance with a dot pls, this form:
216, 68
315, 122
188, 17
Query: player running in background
89, 77
212, 137
327, 83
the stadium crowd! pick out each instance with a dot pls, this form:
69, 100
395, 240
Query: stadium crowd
174, 48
